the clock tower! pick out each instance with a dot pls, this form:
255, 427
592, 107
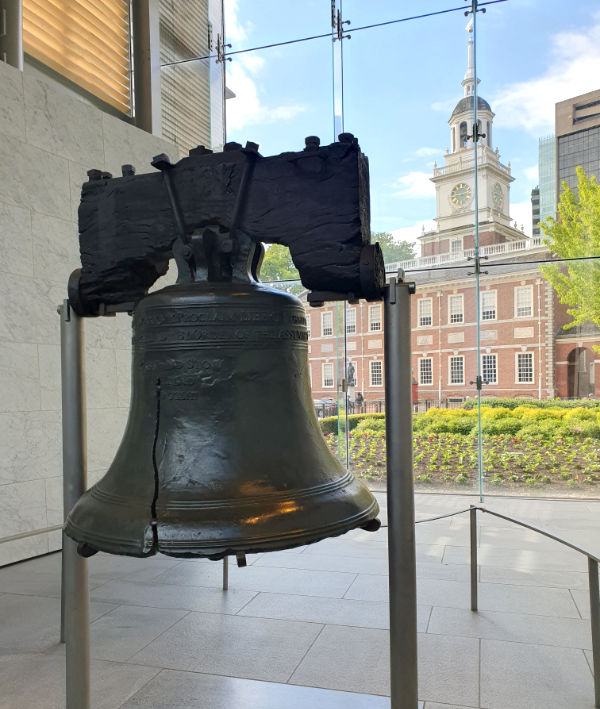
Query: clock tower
454, 182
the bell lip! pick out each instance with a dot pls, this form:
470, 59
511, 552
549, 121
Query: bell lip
219, 548
111, 545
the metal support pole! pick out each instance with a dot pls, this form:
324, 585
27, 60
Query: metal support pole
225, 573
11, 33
400, 494
473, 520
595, 622
74, 592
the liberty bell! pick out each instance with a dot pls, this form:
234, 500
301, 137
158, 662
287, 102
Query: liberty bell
222, 453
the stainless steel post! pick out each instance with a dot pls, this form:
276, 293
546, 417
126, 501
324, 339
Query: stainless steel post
74, 592
225, 573
400, 493
595, 622
473, 520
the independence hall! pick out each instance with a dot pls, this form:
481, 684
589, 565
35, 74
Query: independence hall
524, 349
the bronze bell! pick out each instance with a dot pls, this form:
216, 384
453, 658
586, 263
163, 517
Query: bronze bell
222, 453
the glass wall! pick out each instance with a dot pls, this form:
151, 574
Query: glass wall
450, 104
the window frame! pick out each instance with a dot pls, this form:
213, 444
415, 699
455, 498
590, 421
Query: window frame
420, 370
371, 363
351, 324
529, 289
495, 357
517, 372
325, 365
462, 359
375, 322
460, 296
456, 251
420, 316
493, 293
324, 314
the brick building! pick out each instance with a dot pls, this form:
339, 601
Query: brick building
523, 349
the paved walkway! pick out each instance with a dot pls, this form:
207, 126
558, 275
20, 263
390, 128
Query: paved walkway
308, 627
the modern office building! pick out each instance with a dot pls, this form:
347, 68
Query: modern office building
535, 211
577, 137
547, 178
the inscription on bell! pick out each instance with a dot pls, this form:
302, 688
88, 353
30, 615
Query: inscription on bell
170, 328
159, 317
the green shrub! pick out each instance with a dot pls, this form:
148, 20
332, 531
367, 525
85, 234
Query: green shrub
488, 412
455, 424
420, 422
581, 428
496, 402
581, 413
539, 403
370, 424
330, 423
500, 427
541, 429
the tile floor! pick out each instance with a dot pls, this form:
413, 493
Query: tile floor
308, 627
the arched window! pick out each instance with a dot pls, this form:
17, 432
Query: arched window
463, 134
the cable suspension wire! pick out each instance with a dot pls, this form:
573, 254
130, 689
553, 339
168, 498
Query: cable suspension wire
326, 34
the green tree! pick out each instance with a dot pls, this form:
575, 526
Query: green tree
393, 250
277, 265
576, 234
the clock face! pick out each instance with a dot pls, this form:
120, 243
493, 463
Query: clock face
461, 194
497, 195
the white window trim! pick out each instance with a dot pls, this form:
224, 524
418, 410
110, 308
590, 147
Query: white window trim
456, 241
532, 380
323, 365
490, 354
495, 294
372, 309
462, 308
308, 323
355, 331
419, 306
523, 317
375, 361
450, 382
323, 316
421, 359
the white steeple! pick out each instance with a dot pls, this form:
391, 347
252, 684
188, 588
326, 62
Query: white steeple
469, 81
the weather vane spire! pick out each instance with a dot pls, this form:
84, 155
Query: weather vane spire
469, 80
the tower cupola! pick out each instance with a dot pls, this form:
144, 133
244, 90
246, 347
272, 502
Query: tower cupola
461, 120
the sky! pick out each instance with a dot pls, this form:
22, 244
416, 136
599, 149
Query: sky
401, 83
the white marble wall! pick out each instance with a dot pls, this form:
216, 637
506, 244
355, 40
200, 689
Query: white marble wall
49, 138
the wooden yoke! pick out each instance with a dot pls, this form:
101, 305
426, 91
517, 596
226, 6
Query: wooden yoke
316, 202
